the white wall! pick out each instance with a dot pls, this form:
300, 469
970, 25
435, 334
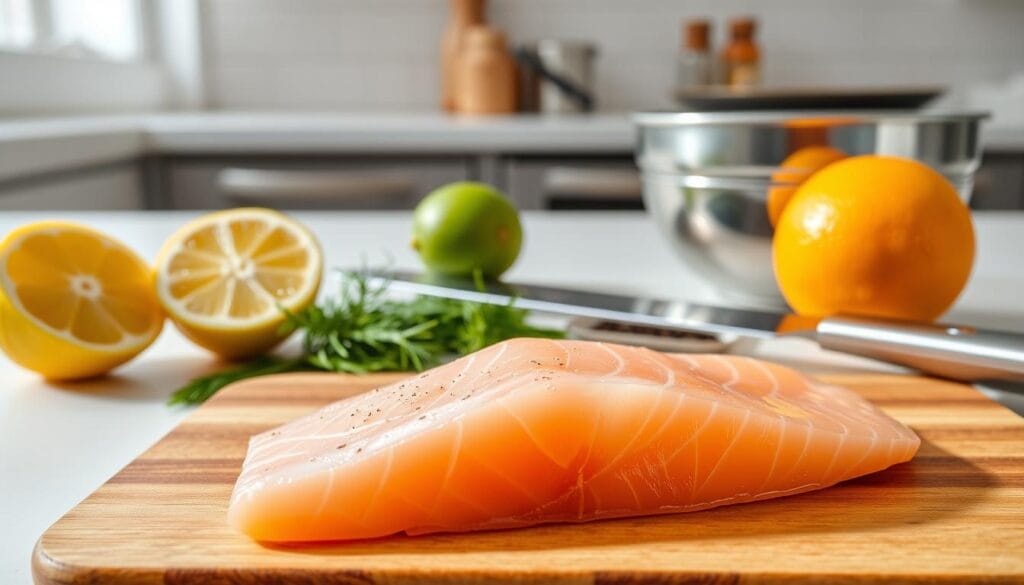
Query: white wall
319, 54
32, 84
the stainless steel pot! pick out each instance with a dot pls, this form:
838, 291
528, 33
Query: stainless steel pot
706, 177
557, 77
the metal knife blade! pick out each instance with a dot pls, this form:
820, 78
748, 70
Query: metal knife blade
951, 351
654, 312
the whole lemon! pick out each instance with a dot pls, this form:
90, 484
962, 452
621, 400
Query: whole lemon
877, 236
466, 226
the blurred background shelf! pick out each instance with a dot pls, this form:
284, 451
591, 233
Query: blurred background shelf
178, 161
143, 104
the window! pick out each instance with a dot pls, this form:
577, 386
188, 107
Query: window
71, 56
16, 24
105, 29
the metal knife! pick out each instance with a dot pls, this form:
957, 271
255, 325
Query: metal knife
951, 351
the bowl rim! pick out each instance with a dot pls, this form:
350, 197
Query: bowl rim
661, 119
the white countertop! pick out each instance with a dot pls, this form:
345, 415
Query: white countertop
59, 442
1003, 138
386, 132
33, 146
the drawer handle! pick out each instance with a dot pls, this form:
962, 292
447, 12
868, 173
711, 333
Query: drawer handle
260, 184
592, 183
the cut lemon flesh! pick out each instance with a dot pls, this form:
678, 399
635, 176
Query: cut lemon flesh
73, 302
223, 278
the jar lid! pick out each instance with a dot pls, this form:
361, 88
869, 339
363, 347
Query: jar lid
742, 28
697, 35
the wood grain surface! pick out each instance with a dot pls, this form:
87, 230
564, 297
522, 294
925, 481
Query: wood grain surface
954, 514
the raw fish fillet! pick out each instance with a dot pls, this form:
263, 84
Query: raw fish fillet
533, 431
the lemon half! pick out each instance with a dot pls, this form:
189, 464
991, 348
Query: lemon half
74, 302
223, 278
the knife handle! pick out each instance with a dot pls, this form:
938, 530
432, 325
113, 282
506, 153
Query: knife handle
950, 351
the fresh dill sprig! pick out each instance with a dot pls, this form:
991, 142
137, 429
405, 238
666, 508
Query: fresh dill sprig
362, 331
202, 388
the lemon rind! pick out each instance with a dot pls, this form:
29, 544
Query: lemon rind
273, 219
14, 241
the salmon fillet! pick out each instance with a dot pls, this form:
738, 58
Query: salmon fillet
532, 431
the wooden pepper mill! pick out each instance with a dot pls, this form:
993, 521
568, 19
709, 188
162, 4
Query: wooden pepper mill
465, 14
485, 74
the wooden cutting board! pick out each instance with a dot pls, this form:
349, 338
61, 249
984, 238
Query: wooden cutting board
953, 514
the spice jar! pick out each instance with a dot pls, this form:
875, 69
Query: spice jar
741, 59
694, 65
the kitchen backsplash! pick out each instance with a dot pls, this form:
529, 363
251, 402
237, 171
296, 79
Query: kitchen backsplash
328, 54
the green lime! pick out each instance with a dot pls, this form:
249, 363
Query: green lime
464, 226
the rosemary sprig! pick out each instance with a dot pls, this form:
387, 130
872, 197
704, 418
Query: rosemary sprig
362, 331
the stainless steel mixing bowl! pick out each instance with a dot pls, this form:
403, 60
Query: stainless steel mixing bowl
706, 177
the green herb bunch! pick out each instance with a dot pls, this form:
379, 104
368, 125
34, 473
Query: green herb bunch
361, 331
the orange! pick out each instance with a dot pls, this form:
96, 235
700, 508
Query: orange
876, 236
821, 123
794, 170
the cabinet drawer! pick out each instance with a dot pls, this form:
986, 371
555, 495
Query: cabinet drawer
999, 182
574, 183
109, 187
306, 183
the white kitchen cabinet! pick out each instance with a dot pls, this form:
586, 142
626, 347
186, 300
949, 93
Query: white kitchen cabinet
108, 187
